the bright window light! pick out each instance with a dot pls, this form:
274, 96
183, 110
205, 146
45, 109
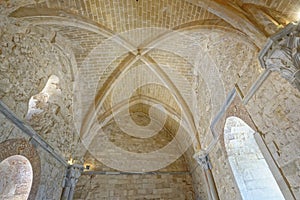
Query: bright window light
298, 15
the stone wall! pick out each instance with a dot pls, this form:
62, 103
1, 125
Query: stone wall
199, 184
235, 64
29, 56
275, 110
222, 173
171, 182
47, 171
16, 177
138, 186
225, 63
52, 174
97, 157
251, 171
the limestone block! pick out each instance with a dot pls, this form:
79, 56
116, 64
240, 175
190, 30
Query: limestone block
162, 186
27, 60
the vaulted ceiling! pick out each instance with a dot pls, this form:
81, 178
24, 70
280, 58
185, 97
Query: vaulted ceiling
128, 55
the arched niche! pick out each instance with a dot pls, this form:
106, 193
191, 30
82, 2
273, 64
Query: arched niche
16, 178
22, 148
250, 169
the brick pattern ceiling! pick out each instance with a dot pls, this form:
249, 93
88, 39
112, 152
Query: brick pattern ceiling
112, 38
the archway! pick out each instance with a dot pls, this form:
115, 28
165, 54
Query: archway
22, 147
251, 171
16, 178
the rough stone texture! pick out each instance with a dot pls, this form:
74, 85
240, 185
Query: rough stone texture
51, 177
234, 63
21, 147
198, 179
274, 97
276, 114
223, 175
289, 8
16, 178
251, 171
47, 172
26, 54
174, 183
8, 130
149, 186
220, 52
112, 133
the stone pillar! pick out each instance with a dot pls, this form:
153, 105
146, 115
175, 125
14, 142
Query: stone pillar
282, 54
204, 162
72, 174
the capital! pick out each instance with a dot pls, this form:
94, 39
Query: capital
203, 160
73, 173
282, 54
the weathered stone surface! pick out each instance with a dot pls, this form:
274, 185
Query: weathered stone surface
281, 54
51, 177
149, 186
47, 171
111, 132
28, 59
278, 120
16, 178
37, 41
223, 175
21, 147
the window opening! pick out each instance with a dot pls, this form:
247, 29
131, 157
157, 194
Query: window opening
16, 178
251, 171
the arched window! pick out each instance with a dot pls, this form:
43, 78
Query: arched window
16, 178
251, 171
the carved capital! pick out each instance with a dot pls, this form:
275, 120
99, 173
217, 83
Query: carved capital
203, 161
73, 173
282, 54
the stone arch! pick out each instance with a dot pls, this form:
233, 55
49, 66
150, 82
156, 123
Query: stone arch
250, 169
22, 147
16, 177
238, 109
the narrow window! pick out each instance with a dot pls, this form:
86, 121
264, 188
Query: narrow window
252, 174
16, 178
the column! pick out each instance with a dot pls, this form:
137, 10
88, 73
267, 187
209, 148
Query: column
282, 54
72, 174
204, 162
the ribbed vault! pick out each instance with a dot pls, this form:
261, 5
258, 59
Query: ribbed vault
131, 55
